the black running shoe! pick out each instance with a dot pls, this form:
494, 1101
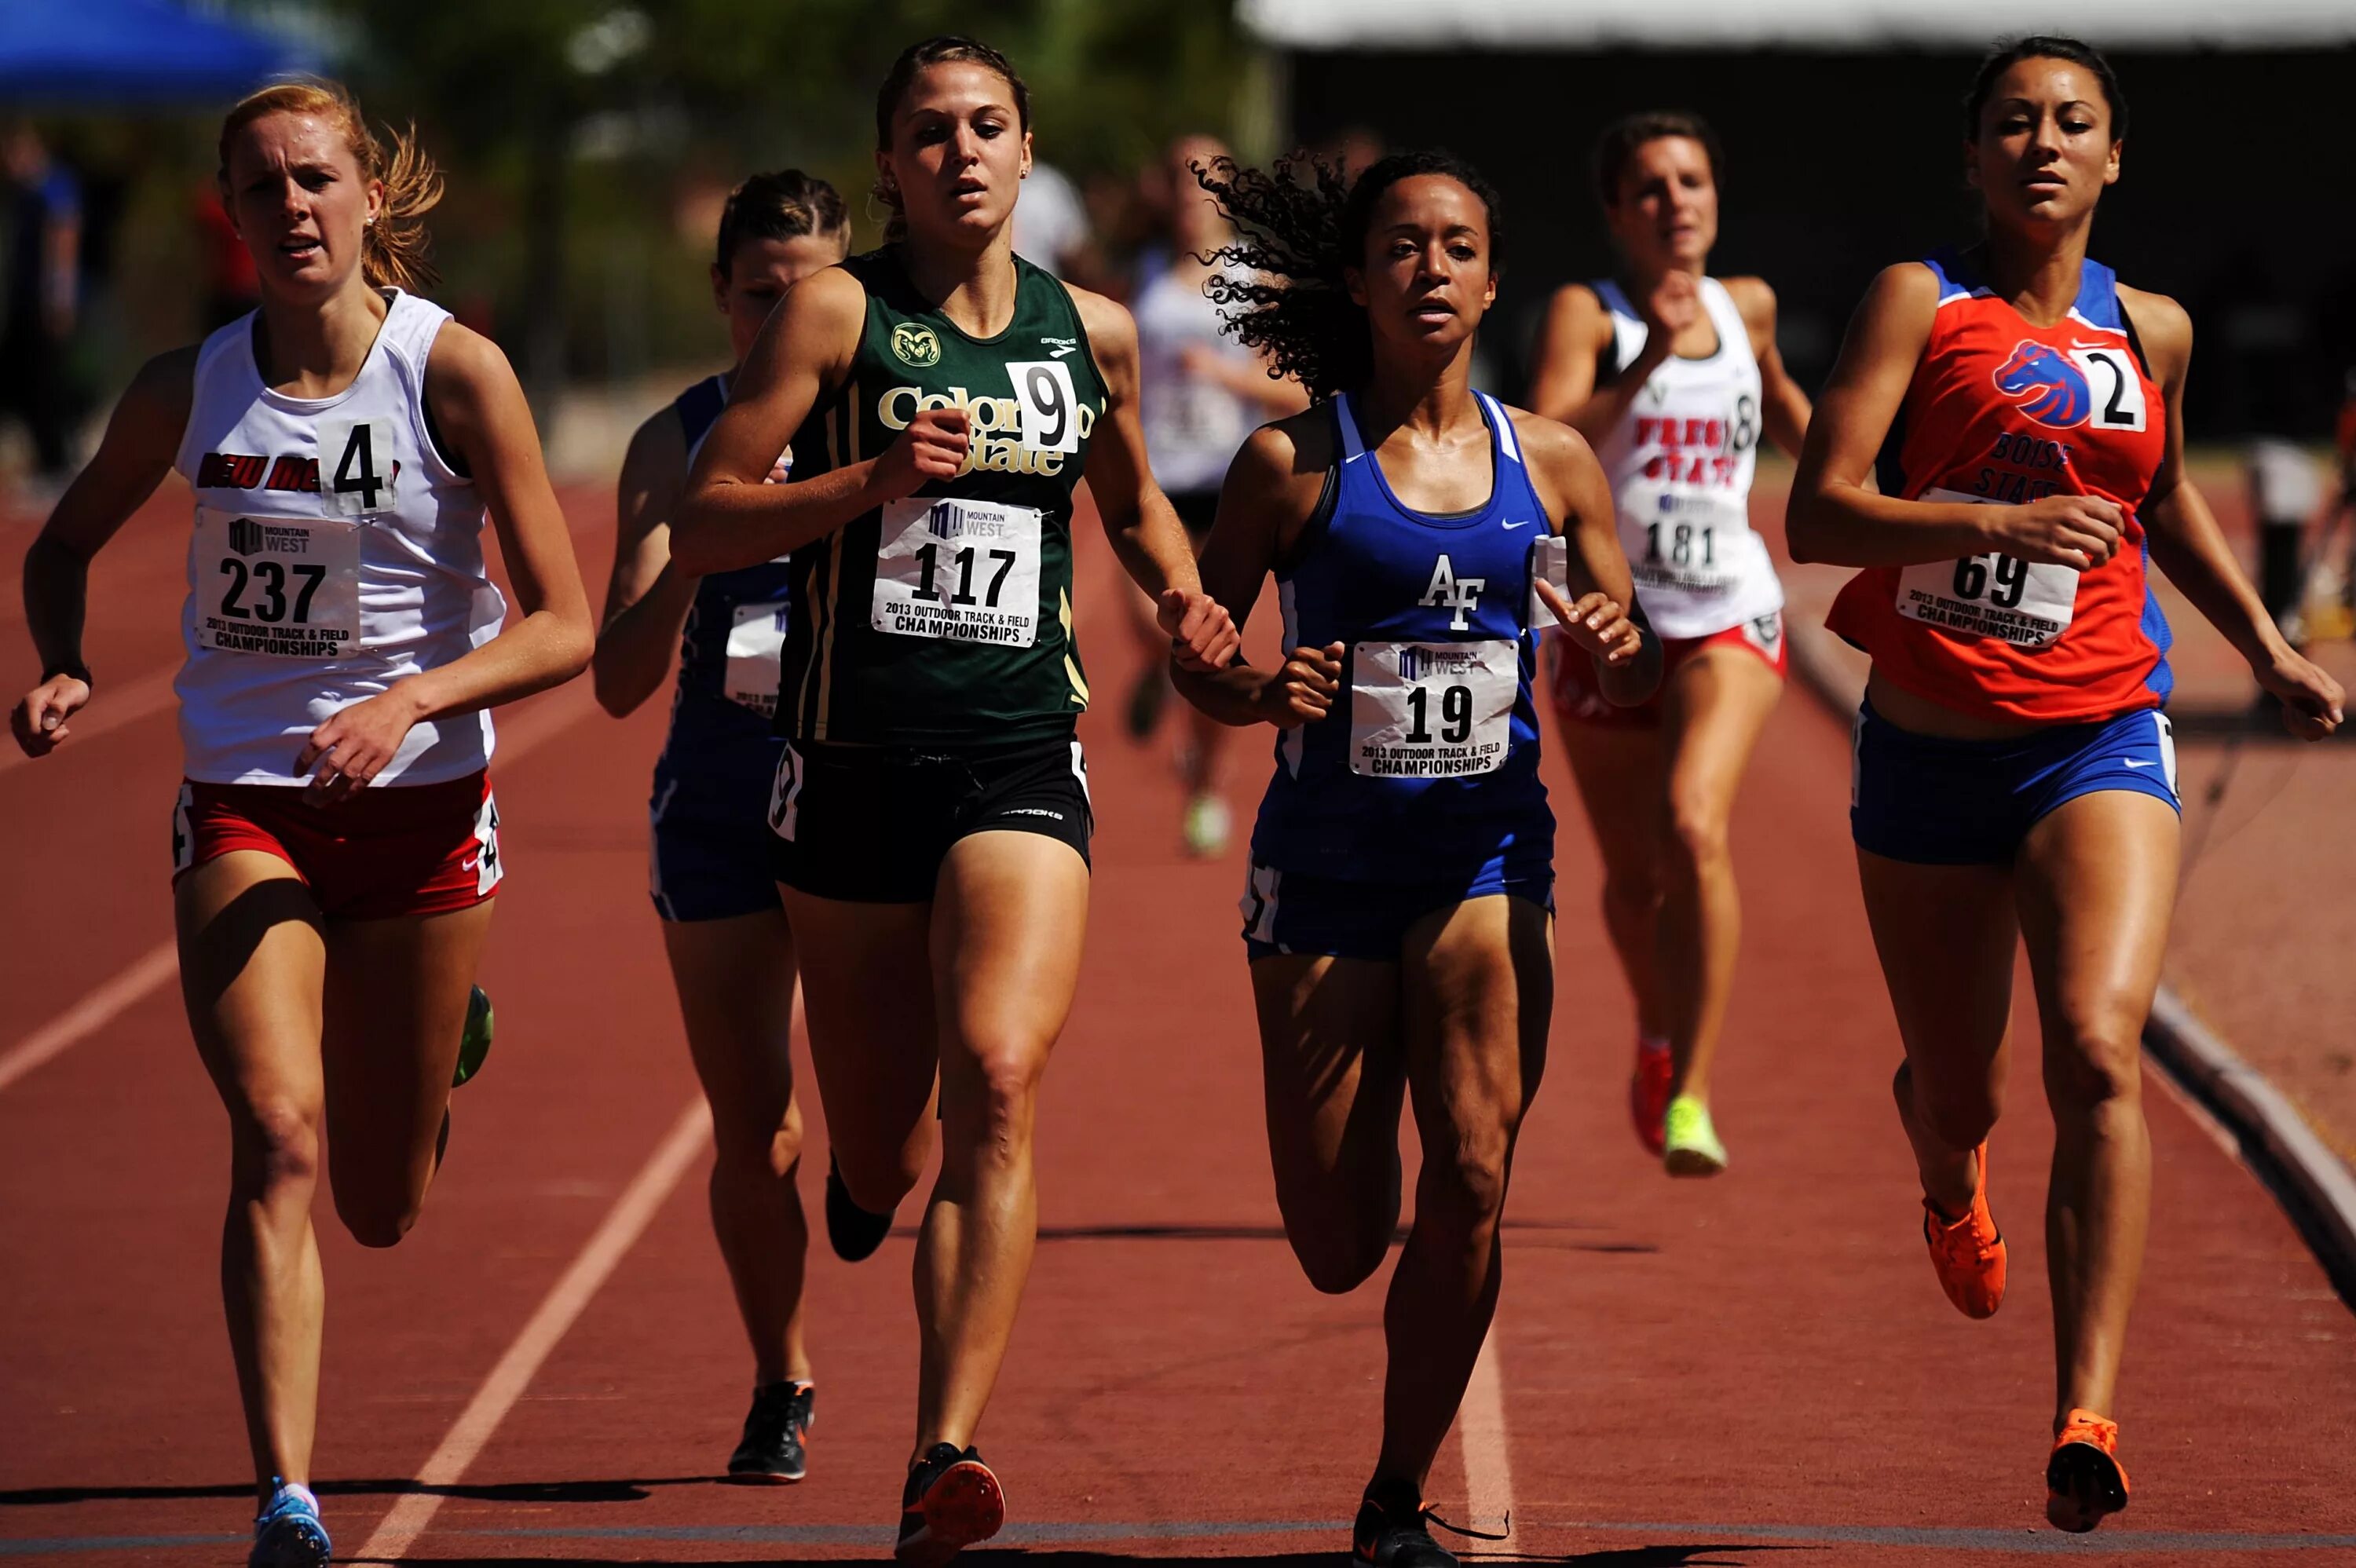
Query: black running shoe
951, 1501
854, 1231
773, 1449
1391, 1533
1146, 700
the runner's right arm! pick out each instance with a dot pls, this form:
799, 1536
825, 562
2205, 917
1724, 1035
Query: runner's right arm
1834, 516
1271, 488
730, 517
648, 597
1571, 349
142, 437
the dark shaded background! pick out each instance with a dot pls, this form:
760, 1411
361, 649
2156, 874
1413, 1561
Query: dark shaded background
2235, 194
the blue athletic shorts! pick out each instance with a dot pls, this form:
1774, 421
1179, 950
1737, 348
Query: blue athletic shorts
1296, 913
710, 857
1935, 802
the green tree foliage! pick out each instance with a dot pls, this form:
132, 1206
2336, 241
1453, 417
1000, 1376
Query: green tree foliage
572, 128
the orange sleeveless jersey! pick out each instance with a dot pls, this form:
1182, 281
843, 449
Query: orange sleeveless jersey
2003, 411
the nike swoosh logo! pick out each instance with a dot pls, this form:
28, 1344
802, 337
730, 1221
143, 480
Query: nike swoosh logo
2133, 763
1511, 527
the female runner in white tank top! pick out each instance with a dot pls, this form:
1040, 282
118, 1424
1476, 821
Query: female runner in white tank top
335, 845
1200, 393
1674, 375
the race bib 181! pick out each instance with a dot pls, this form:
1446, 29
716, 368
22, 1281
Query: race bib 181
1431, 710
2028, 604
278, 586
964, 570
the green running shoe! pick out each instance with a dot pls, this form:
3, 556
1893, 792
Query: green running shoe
1691, 1142
475, 1042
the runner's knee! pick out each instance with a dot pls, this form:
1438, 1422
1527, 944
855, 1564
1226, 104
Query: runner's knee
2092, 1068
997, 1092
277, 1144
1630, 895
1463, 1186
1697, 832
759, 1148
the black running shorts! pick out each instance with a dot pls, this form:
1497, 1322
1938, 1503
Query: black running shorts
872, 824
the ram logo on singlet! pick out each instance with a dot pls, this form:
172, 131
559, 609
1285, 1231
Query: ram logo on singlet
918, 346
1462, 594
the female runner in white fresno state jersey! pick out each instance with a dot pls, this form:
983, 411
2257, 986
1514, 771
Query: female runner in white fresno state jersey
1672, 374
335, 845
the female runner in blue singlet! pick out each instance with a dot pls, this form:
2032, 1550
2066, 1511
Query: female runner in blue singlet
731, 952
1399, 913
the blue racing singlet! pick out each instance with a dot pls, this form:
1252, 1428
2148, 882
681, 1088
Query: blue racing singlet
728, 652
1428, 765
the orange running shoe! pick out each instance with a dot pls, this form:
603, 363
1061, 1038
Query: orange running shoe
2085, 1482
1968, 1253
1648, 1092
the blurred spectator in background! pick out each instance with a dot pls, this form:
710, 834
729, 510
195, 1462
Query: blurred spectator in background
231, 287
2285, 495
1051, 226
1200, 393
2331, 611
43, 298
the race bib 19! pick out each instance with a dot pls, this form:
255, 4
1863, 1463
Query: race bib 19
2028, 604
755, 642
1431, 710
277, 586
964, 570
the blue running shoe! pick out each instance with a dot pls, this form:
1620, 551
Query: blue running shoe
287, 1533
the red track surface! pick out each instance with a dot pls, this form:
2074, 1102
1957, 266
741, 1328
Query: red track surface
1756, 1371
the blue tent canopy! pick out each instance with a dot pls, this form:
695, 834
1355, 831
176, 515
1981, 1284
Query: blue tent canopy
119, 52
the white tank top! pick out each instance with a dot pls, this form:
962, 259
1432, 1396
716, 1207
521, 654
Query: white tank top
335, 553
1193, 425
1680, 463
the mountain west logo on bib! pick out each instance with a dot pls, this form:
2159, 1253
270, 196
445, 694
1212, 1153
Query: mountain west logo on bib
245, 535
1418, 663
2045, 385
918, 346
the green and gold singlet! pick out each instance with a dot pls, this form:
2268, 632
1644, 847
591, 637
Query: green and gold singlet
944, 620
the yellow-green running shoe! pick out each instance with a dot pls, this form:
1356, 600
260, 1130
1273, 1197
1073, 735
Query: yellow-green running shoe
475, 1042
1692, 1146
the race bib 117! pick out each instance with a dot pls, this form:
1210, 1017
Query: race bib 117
964, 570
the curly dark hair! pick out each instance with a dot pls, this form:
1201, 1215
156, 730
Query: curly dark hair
1298, 224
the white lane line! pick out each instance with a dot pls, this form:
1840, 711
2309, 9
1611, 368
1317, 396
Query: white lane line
531, 727
110, 708
607, 1247
152, 968
1488, 1468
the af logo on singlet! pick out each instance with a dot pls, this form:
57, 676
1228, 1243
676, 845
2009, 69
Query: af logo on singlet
914, 345
1460, 594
